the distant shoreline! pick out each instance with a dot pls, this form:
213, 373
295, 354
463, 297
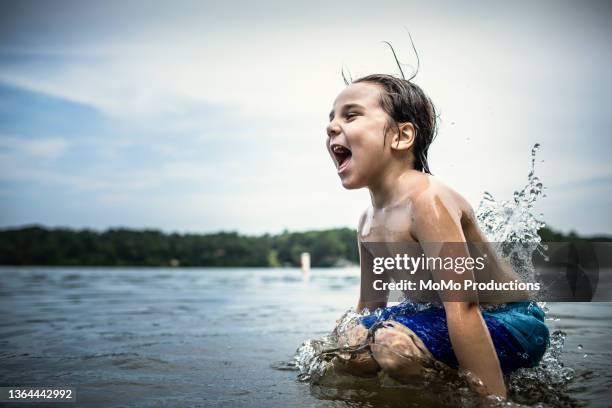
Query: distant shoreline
41, 246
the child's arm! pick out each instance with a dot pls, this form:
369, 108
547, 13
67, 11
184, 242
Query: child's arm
368, 297
437, 219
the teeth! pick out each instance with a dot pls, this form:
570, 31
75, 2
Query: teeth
338, 149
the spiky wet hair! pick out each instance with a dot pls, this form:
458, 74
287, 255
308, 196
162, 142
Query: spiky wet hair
404, 101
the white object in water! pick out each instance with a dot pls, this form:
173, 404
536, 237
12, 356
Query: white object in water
305, 262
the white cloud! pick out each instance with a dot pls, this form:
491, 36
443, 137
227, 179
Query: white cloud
46, 147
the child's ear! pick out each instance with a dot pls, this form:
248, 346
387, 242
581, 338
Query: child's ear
404, 139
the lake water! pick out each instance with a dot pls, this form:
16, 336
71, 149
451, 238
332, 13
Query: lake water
156, 337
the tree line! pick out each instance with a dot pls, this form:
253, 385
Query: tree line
36, 245
125, 247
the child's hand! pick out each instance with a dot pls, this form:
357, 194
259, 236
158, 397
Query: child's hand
353, 336
360, 364
401, 340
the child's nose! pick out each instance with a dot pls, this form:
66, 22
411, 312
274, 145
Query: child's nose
333, 129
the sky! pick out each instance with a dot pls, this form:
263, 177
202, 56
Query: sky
208, 116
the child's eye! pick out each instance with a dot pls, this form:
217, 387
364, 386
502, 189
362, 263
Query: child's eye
351, 115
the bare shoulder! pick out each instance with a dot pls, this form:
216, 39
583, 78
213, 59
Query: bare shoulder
431, 193
436, 205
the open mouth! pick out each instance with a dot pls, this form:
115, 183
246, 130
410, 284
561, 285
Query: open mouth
342, 155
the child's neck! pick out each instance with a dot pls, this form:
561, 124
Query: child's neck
394, 185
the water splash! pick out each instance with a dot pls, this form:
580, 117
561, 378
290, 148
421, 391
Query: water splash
311, 358
547, 382
511, 227
513, 221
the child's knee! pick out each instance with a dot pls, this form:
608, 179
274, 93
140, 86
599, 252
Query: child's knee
357, 363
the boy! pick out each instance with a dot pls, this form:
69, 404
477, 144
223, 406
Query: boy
379, 133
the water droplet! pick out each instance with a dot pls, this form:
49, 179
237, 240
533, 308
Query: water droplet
580, 347
585, 356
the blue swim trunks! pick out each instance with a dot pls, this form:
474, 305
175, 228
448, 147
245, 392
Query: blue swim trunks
517, 329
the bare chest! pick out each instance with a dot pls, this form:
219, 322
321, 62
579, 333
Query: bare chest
387, 225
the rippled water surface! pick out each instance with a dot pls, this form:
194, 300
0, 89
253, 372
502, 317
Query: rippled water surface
153, 337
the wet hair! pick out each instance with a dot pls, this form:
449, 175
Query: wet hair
404, 102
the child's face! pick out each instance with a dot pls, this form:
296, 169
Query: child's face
356, 134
